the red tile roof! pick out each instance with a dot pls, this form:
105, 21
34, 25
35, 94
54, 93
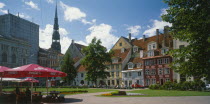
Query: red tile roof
122, 56
81, 68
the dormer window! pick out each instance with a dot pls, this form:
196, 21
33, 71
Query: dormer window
115, 60
120, 44
130, 65
152, 46
138, 65
122, 50
135, 49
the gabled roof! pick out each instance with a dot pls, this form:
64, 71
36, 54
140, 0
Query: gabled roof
79, 46
122, 56
135, 60
81, 68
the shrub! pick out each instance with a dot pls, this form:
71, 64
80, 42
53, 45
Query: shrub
108, 94
122, 93
154, 86
168, 85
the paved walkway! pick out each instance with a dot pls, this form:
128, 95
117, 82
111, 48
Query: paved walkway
90, 98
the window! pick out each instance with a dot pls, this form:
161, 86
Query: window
167, 71
4, 57
120, 44
117, 74
108, 82
150, 53
125, 74
130, 65
112, 74
135, 49
159, 61
13, 58
117, 67
153, 72
151, 46
163, 51
165, 60
147, 72
153, 81
167, 79
138, 65
139, 73
112, 82
160, 72
147, 82
112, 66
129, 74
81, 74
115, 60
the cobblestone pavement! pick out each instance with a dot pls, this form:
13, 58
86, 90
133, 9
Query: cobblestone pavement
90, 98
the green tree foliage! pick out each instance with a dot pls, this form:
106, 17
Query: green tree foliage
191, 23
94, 61
67, 66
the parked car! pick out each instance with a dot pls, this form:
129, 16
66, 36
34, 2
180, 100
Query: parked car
207, 86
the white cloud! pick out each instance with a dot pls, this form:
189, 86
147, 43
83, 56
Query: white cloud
2, 5
45, 38
32, 5
134, 30
22, 15
72, 13
50, 1
88, 22
156, 25
104, 33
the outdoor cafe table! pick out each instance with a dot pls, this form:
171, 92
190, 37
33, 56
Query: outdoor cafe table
54, 95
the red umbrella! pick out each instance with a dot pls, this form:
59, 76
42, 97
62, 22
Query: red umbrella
2, 69
32, 70
30, 80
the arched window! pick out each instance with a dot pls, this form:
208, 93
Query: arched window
4, 57
14, 58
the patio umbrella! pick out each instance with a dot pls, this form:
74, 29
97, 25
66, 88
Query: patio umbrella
32, 70
2, 69
28, 79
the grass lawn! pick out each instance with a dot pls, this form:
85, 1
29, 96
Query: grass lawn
90, 90
156, 93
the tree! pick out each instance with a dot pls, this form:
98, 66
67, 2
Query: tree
94, 61
191, 23
67, 66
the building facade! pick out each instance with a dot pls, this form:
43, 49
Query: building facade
14, 52
15, 27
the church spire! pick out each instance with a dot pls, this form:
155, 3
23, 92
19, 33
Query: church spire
56, 36
56, 27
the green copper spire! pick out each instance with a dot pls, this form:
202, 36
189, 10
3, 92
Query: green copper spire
56, 36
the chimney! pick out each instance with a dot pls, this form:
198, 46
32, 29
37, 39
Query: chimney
129, 36
157, 37
166, 29
18, 14
72, 41
8, 11
144, 37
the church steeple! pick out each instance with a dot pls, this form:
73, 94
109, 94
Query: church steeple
56, 36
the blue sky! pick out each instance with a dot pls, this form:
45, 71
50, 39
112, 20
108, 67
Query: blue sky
81, 20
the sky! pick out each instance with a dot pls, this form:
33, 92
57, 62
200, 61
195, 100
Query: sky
82, 20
